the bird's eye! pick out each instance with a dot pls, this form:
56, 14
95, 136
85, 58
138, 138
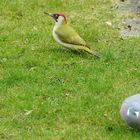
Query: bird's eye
56, 16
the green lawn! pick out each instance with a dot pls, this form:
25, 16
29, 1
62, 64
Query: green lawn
48, 93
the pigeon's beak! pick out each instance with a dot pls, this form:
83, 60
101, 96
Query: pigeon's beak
137, 113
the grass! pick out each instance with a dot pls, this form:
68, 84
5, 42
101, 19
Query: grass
50, 93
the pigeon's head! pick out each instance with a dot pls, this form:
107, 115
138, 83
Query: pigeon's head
133, 113
134, 110
130, 111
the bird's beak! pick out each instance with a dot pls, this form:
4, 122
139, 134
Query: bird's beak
137, 113
49, 14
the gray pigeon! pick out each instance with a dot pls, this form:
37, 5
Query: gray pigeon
130, 111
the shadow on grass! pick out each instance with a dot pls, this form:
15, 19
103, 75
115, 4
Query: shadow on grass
113, 129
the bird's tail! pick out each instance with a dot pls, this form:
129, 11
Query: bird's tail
88, 50
94, 53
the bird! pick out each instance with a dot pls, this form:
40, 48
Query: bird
67, 37
130, 111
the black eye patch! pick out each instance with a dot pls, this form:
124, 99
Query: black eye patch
56, 16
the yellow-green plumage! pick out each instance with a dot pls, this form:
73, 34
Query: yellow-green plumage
67, 37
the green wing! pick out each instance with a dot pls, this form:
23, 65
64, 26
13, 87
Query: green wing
69, 35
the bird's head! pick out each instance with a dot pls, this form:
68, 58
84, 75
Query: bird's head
134, 110
58, 17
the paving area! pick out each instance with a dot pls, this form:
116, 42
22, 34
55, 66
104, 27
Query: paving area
130, 11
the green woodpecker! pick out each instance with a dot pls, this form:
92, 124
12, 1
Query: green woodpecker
66, 36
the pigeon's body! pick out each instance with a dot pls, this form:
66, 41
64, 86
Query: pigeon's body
130, 111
